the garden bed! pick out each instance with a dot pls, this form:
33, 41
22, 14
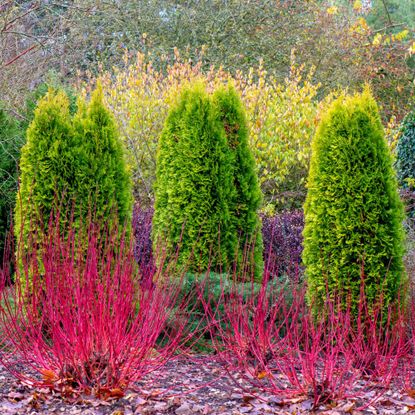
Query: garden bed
185, 387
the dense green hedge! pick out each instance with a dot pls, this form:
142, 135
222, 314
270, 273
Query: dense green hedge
353, 215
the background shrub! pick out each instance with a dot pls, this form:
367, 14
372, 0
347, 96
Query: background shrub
405, 160
405, 150
353, 215
143, 250
281, 117
11, 139
282, 236
193, 186
246, 196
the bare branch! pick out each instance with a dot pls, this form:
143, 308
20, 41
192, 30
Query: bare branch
19, 55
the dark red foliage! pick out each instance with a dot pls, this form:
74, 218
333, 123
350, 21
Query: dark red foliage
143, 250
282, 236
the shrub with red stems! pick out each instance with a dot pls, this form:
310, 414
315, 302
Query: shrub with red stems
276, 343
85, 324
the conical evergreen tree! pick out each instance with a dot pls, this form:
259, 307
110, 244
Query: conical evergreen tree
353, 215
101, 176
74, 165
193, 185
46, 164
246, 195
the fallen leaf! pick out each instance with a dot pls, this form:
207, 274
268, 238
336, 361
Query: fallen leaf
49, 376
116, 393
262, 375
15, 396
248, 398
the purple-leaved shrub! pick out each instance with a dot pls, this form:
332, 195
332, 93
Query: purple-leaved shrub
281, 233
282, 236
143, 250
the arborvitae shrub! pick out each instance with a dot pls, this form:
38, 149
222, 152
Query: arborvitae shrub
193, 185
246, 194
12, 138
38, 93
102, 180
74, 165
353, 216
46, 165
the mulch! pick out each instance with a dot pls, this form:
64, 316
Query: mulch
186, 387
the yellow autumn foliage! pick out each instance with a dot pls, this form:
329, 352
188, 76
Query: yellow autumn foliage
282, 119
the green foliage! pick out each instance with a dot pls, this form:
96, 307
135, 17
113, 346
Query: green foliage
71, 163
46, 164
388, 13
12, 138
11, 141
405, 152
193, 185
101, 177
353, 215
245, 200
39, 92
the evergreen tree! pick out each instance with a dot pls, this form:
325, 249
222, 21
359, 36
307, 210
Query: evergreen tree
193, 185
12, 138
101, 176
71, 164
246, 195
405, 160
46, 165
405, 150
353, 215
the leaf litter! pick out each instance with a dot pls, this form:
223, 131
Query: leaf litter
186, 387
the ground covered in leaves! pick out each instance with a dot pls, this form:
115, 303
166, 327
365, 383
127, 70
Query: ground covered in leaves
186, 387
